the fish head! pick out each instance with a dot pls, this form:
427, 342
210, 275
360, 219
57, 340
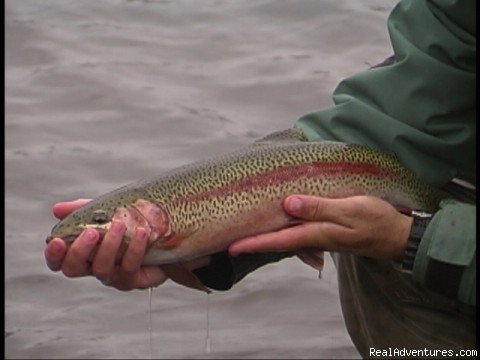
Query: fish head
132, 207
96, 215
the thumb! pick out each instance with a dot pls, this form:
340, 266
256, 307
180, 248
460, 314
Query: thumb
62, 209
315, 208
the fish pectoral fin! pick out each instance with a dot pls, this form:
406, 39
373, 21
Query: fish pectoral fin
173, 239
180, 274
313, 257
169, 242
286, 136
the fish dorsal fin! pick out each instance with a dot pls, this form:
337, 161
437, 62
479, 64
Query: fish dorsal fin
283, 136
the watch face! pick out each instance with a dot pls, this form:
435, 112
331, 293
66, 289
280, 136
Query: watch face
421, 214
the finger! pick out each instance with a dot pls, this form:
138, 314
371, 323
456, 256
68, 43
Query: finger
132, 260
55, 253
292, 238
149, 276
322, 235
316, 208
146, 277
62, 209
76, 260
104, 262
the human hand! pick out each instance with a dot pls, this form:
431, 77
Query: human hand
362, 225
73, 260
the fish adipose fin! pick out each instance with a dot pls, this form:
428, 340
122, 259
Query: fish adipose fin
284, 136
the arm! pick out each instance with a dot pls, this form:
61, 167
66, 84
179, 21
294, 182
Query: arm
371, 227
422, 108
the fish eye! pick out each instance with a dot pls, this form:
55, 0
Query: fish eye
100, 216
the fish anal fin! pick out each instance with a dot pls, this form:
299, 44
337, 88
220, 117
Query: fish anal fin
180, 274
313, 257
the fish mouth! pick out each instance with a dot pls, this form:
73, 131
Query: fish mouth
67, 238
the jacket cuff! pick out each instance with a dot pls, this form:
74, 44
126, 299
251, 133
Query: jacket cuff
445, 261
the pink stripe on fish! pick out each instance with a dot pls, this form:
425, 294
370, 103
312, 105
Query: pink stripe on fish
284, 174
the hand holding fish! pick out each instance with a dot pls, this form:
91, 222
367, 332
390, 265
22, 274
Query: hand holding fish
363, 225
128, 275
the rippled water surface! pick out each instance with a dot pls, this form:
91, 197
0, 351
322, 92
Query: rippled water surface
102, 93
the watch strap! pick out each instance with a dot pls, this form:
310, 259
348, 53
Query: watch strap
420, 222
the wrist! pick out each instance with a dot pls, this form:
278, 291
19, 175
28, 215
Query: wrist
403, 233
419, 222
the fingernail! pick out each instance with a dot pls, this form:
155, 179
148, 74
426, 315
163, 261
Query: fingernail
293, 204
141, 233
233, 253
90, 236
235, 250
56, 248
117, 227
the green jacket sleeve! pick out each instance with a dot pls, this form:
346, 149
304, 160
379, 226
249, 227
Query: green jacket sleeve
421, 107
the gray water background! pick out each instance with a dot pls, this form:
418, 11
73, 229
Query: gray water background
102, 93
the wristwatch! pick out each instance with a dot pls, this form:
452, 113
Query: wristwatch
420, 222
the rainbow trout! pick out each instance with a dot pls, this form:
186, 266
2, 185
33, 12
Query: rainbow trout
201, 208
